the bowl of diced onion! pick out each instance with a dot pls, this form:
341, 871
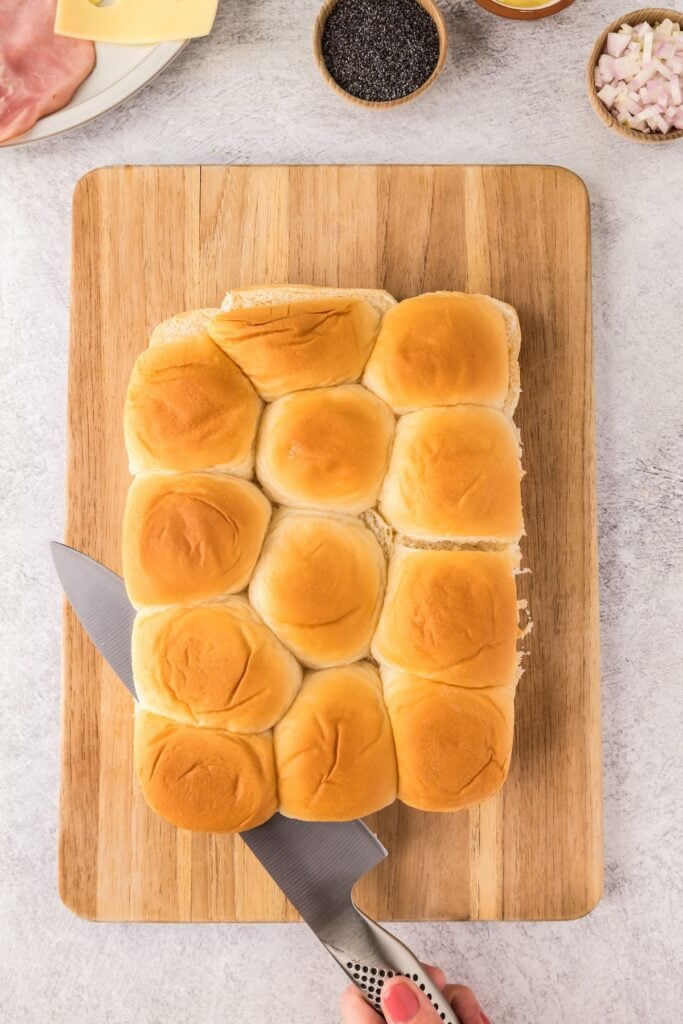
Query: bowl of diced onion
635, 75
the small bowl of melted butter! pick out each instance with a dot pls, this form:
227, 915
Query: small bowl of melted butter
524, 10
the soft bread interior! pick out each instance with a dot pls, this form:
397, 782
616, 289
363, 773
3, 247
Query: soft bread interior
514, 340
273, 295
184, 325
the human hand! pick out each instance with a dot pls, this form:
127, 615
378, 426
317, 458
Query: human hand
403, 1003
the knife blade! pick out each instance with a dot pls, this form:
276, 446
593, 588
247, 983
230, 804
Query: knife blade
99, 598
315, 864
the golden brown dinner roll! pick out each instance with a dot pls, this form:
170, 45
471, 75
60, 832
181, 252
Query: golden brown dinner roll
453, 745
207, 780
295, 345
450, 616
325, 449
319, 585
188, 406
447, 348
191, 536
334, 750
214, 665
232, 603
455, 475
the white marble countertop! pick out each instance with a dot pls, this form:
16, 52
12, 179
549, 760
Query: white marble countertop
250, 93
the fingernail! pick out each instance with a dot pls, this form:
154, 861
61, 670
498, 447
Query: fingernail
401, 1003
484, 1018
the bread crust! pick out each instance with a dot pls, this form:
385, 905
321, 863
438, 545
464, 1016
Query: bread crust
447, 348
276, 663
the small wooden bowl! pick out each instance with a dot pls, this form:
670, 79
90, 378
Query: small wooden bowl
651, 14
519, 14
319, 28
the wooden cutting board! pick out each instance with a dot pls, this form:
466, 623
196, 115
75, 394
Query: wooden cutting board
150, 242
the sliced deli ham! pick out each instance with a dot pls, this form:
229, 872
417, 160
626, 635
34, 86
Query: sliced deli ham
39, 71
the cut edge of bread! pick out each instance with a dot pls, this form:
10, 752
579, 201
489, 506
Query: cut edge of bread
230, 600
184, 325
259, 295
404, 543
241, 470
378, 526
513, 334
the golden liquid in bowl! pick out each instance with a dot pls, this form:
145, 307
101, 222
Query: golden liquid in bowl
528, 4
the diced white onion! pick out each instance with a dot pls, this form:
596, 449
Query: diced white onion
617, 43
639, 77
648, 40
608, 94
646, 113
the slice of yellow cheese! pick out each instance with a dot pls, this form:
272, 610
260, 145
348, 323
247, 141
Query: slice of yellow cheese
135, 21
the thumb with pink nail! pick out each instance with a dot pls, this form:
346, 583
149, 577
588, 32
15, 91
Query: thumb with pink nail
404, 1003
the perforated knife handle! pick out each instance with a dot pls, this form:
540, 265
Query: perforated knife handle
370, 955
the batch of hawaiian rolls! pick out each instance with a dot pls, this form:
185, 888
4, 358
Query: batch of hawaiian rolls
321, 542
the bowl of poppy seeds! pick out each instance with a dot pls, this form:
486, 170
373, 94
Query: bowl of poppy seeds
379, 53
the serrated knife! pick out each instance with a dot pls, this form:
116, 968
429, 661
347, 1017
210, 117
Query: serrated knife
315, 864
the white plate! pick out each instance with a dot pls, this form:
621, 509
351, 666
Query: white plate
118, 73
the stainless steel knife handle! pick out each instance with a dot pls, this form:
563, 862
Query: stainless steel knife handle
370, 955
315, 864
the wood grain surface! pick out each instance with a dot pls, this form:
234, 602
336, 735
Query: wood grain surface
150, 242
